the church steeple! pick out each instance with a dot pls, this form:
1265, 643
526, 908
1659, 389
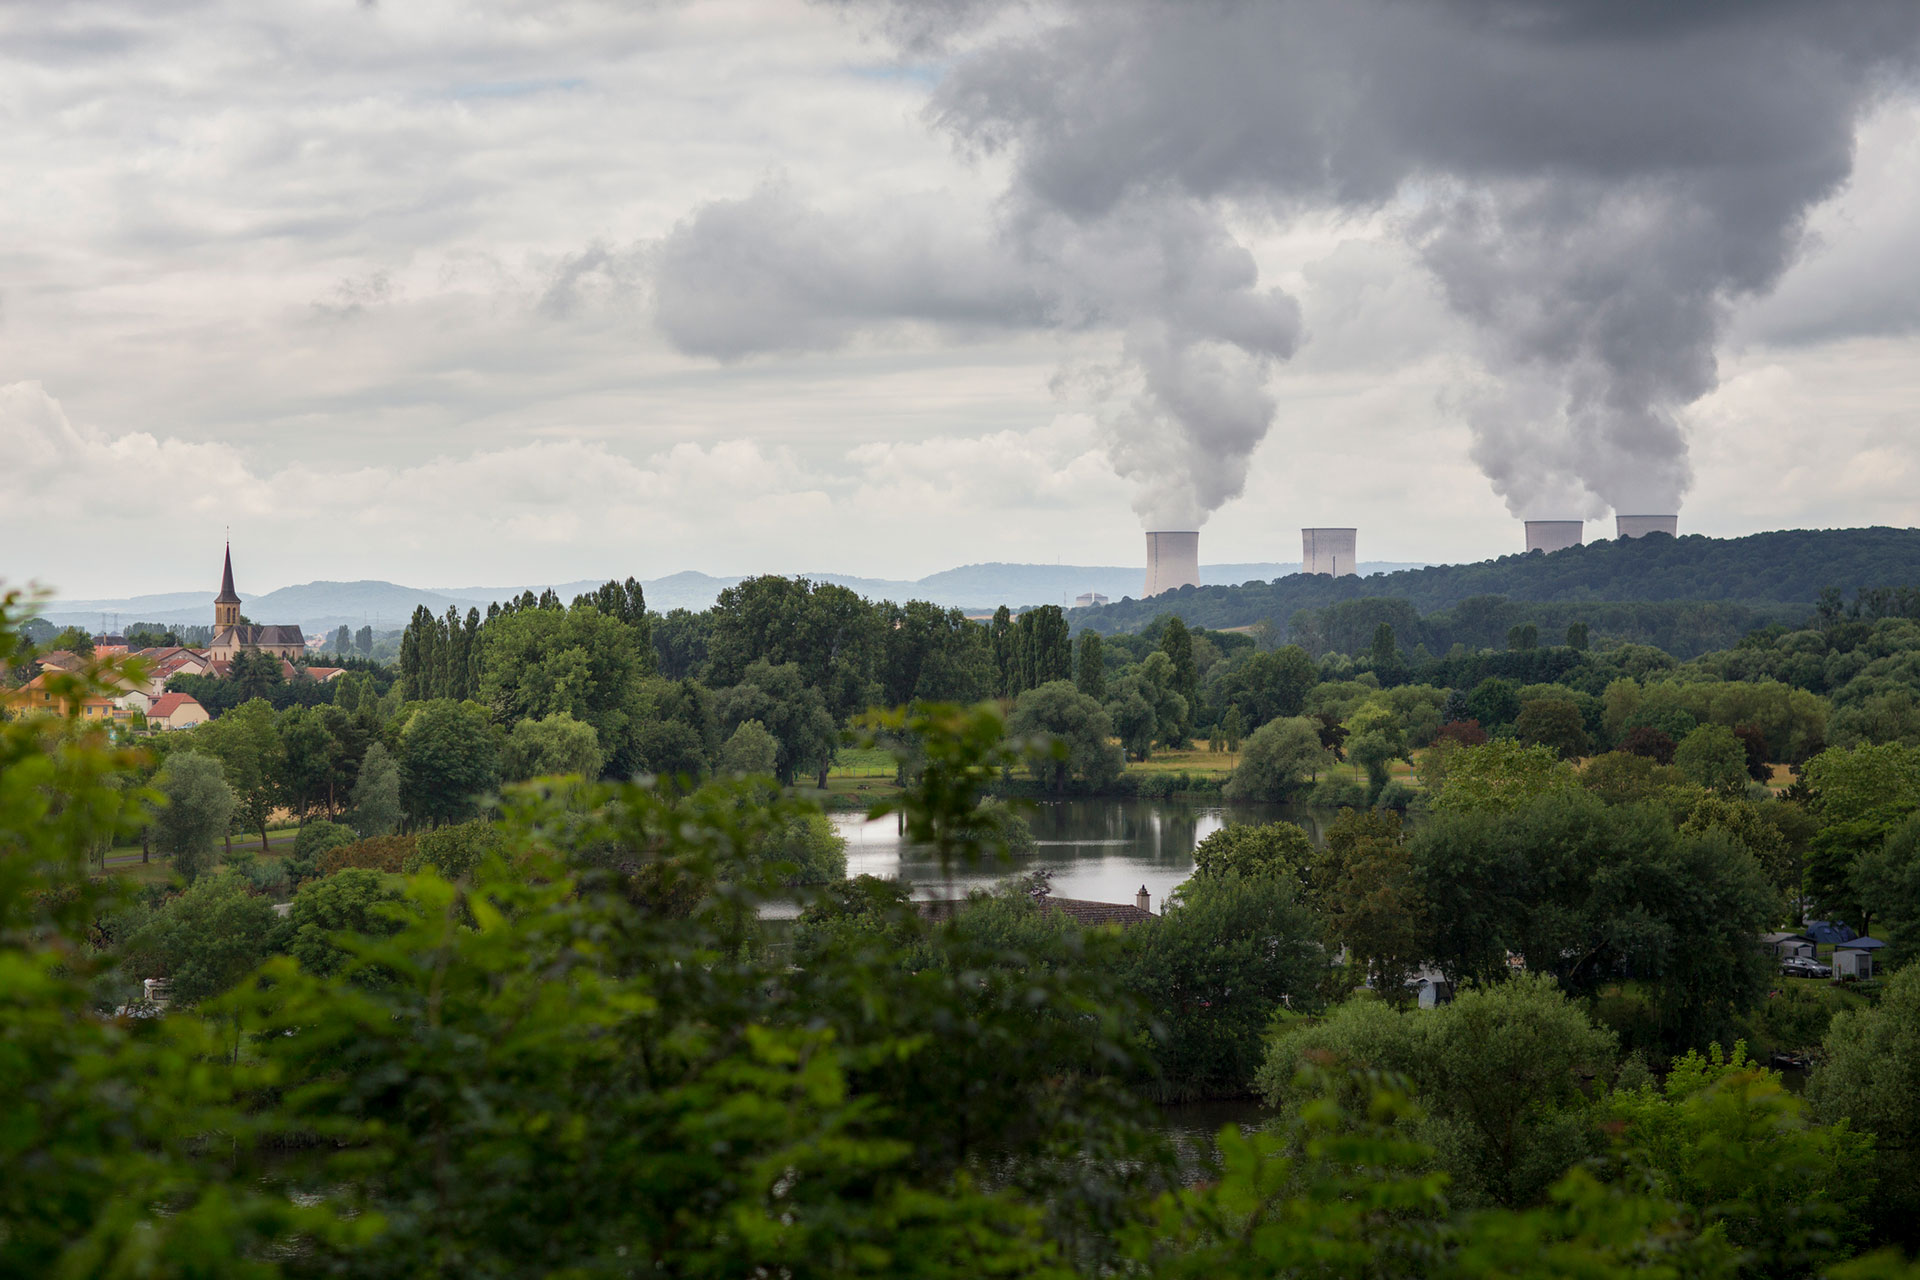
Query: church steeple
226, 605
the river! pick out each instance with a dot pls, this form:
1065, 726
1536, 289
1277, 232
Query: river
1103, 850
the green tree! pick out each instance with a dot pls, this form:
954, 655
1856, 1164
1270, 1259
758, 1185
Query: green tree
1000, 641
1868, 1075
254, 674
448, 760
1522, 637
247, 744
376, 794
455, 850
336, 909
199, 805
1177, 643
1042, 648
1552, 723
828, 632
1090, 667
1078, 729
1589, 894
551, 746
1497, 1072
1279, 759
1247, 850
207, 938
1886, 883
1712, 757
751, 751
1724, 1137
1233, 728
1494, 702
1369, 893
1226, 954
933, 654
1374, 742
1152, 681
1577, 636
792, 711
1500, 776
807, 851
537, 663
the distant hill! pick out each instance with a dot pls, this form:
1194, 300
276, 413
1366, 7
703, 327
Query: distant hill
1768, 575
322, 606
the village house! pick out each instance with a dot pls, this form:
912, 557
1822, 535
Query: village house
176, 711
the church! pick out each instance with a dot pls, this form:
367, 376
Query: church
231, 637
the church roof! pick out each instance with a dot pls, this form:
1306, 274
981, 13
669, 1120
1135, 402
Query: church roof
227, 594
251, 636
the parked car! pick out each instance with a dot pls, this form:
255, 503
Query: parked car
1801, 967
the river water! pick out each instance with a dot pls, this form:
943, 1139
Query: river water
1103, 850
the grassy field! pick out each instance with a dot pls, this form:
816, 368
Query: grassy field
124, 860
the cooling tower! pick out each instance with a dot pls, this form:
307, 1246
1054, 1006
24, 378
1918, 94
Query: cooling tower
1641, 526
1554, 535
1173, 561
1329, 551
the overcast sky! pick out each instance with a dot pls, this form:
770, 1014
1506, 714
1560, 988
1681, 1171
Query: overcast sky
460, 294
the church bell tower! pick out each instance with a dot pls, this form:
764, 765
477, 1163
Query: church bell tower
226, 605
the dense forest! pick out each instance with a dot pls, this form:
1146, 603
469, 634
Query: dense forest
1763, 578
485, 962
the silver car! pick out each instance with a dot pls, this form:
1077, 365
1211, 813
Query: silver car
1801, 967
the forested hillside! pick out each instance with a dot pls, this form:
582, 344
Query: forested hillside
1767, 577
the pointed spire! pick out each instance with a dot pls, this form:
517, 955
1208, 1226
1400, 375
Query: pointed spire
227, 594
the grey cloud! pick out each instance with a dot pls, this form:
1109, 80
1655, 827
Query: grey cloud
1595, 182
769, 274
1182, 414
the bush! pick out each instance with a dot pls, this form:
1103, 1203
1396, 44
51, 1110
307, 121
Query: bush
317, 837
381, 853
452, 851
1338, 793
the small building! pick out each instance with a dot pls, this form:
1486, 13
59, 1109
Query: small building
34, 698
1789, 946
1087, 599
108, 645
322, 675
176, 711
1857, 959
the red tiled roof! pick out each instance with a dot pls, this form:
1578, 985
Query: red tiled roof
168, 703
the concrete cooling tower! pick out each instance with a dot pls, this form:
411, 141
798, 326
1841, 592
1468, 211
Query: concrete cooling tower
1173, 561
1329, 551
1641, 526
1554, 535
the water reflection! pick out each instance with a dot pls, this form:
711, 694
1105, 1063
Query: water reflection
1103, 850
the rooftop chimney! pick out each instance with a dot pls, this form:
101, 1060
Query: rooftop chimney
1329, 551
1641, 526
1173, 561
1554, 535
1143, 900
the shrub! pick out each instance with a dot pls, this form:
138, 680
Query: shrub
381, 853
453, 851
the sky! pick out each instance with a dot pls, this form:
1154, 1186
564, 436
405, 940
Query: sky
476, 294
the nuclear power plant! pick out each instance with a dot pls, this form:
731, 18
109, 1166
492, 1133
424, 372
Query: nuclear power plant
1329, 551
1641, 526
1173, 561
1554, 535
